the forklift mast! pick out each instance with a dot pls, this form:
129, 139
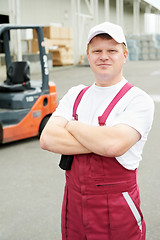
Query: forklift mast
4, 30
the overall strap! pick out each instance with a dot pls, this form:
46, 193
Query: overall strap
77, 101
102, 119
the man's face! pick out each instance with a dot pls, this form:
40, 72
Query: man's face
106, 58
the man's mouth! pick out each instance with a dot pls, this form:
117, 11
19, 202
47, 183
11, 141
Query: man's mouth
103, 65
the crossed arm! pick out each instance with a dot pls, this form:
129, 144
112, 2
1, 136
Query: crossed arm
61, 136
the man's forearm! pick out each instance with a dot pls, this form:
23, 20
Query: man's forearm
89, 136
106, 141
67, 144
56, 138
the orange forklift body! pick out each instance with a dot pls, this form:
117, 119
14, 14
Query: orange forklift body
25, 106
30, 125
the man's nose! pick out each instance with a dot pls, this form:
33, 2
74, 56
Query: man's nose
104, 55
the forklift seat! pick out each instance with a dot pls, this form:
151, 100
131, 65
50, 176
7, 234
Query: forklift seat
18, 77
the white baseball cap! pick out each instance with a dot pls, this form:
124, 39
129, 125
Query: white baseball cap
115, 31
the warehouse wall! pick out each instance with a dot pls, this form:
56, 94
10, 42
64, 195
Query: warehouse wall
4, 8
45, 12
61, 12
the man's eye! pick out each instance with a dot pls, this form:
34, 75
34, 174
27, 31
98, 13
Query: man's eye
112, 50
97, 51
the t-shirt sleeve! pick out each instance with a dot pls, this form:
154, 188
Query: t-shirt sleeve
65, 106
138, 114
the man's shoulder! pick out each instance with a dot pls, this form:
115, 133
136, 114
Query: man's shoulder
74, 91
141, 93
140, 98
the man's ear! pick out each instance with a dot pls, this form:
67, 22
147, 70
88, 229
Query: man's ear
87, 53
125, 55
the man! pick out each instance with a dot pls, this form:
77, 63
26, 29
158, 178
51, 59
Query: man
105, 127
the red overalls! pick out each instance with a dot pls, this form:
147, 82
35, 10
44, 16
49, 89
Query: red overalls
101, 200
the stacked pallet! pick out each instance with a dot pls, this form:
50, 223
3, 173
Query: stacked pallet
157, 40
148, 47
59, 42
133, 50
144, 47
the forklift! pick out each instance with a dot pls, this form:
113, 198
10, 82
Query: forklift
25, 105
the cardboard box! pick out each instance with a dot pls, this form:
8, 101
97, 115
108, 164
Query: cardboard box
55, 33
34, 33
48, 32
66, 33
51, 32
65, 45
33, 46
62, 56
59, 42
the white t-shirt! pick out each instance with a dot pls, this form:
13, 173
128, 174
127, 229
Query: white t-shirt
135, 109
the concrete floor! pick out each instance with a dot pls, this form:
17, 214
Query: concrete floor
31, 183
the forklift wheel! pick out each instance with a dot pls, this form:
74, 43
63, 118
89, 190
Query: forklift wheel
43, 123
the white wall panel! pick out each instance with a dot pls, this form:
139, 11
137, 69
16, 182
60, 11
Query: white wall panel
45, 12
4, 9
